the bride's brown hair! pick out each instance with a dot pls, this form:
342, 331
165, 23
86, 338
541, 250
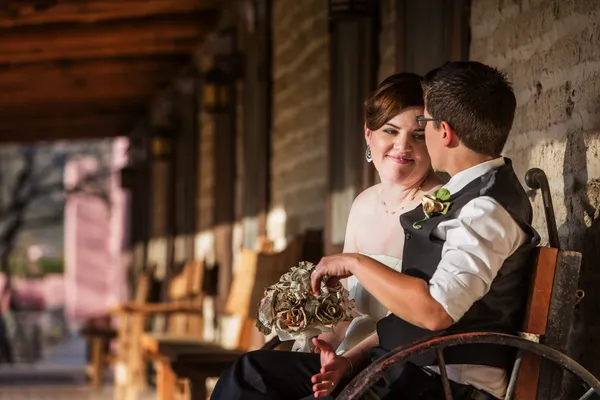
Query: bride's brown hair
394, 94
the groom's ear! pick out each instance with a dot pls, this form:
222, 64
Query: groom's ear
448, 135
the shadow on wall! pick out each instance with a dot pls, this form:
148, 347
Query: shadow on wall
581, 232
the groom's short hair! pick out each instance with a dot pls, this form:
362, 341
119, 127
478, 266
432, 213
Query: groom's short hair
476, 100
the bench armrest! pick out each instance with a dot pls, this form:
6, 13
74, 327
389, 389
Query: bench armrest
155, 308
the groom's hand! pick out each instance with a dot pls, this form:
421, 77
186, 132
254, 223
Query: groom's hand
335, 267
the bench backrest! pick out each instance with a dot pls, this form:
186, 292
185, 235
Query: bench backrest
548, 318
185, 289
258, 270
143, 285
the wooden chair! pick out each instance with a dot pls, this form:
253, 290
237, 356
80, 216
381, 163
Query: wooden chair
193, 362
99, 332
183, 312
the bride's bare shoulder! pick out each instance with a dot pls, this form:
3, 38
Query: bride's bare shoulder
366, 199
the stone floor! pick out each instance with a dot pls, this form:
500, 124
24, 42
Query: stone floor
60, 375
55, 392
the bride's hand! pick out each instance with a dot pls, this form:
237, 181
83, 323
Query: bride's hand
333, 369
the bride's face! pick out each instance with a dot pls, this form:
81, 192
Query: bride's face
398, 149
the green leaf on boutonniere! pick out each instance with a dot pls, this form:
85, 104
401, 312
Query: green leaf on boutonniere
442, 194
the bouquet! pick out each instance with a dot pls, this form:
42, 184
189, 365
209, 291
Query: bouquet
297, 313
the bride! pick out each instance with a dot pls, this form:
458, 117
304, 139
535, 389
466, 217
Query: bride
396, 146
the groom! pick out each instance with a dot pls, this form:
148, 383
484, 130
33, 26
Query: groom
465, 264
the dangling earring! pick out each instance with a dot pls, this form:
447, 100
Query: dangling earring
368, 155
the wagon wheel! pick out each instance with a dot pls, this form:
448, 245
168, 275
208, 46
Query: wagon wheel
367, 378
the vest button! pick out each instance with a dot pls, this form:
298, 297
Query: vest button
407, 236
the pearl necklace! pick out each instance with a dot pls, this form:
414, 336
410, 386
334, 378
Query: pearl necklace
401, 208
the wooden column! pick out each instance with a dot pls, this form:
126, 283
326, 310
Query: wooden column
353, 75
224, 167
257, 105
423, 47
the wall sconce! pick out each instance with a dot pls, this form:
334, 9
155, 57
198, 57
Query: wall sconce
349, 9
215, 95
161, 144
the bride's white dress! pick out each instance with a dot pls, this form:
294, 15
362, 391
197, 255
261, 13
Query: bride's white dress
492, 380
367, 306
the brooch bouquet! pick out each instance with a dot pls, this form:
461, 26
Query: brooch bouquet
296, 313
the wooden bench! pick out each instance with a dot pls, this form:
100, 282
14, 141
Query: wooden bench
547, 321
183, 312
193, 362
99, 332
552, 299
548, 318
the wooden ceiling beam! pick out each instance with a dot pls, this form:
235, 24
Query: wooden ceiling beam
130, 91
65, 109
83, 87
74, 122
152, 36
35, 84
20, 13
90, 132
49, 70
66, 128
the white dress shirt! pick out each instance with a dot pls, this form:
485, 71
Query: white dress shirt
476, 243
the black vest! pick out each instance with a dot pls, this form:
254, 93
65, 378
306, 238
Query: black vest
502, 308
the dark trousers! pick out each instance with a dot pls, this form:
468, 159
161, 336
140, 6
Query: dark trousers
272, 374
268, 374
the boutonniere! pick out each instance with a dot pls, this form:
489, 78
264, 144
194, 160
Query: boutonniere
434, 204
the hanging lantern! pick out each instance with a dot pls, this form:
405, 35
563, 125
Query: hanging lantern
161, 144
216, 91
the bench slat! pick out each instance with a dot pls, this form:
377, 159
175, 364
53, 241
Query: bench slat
536, 319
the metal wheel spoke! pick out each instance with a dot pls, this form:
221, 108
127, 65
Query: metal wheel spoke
444, 374
587, 394
512, 384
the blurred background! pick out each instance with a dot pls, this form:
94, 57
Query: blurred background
138, 136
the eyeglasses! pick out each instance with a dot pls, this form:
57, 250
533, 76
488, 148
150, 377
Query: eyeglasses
422, 121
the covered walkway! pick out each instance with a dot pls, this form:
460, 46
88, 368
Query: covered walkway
60, 375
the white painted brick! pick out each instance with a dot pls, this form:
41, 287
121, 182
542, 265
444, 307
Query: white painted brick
549, 49
301, 103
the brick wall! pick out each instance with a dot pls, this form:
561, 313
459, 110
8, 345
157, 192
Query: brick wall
300, 113
549, 49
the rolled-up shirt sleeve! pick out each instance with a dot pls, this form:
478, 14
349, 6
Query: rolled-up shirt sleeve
476, 244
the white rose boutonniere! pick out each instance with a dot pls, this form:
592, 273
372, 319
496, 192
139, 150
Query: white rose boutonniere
434, 204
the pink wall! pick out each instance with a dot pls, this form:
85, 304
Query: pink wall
95, 266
